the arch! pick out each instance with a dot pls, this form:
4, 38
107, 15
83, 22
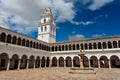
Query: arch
104, 62
61, 62
86, 46
119, 43
23, 64
23, 42
59, 48
2, 37
52, 48
109, 44
94, 46
19, 41
81, 46
54, 61
73, 46
68, 61
76, 61
14, 61
14, 40
27, 43
62, 47
40, 46
66, 47
43, 61
36, 45
115, 61
3, 61
99, 45
77, 46
85, 61
69, 47
45, 47
104, 45
37, 62
90, 45
31, 62
94, 61
9, 38
31, 44
47, 62
115, 44
55, 48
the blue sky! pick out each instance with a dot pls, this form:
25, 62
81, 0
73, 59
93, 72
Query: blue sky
75, 19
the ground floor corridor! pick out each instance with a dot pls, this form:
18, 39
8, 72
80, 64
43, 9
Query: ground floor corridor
25, 62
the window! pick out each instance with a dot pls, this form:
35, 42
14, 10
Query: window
44, 20
45, 28
41, 29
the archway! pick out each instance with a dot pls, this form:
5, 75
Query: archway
43, 62
9, 38
3, 61
54, 61
31, 61
85, 61
61, 62
47, 62
68, 62
104, 62
115, 62
93, 61
23, 64
76, 61
2, 37
14, 61
37, 62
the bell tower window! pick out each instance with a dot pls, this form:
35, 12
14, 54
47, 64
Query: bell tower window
45, 28
41, 29
44, 20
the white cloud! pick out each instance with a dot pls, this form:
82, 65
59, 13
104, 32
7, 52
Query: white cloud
24, 14
76, 37
82, 22
98, 35
97, 4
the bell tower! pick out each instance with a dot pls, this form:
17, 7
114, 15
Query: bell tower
47, 27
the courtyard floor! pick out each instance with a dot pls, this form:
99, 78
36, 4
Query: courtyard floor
59, 74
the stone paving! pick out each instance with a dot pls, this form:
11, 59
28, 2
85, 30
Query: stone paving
59, 74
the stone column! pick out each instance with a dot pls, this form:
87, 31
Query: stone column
8, 65
57, 63
109, 63
72, 63
50, 65
98, 63
106, 45
40, 64
117, 45
45, 63
27, 64
64, 63
18, 64
34, 64
89, 63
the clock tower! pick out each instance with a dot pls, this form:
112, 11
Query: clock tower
47, 27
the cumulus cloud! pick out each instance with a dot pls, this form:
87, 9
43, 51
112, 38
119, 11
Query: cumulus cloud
76, 37
98, 35
97, 4
22, 15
